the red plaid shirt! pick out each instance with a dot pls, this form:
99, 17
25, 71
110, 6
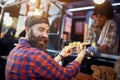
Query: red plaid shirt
28, 63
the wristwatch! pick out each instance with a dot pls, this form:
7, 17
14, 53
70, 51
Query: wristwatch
62, 57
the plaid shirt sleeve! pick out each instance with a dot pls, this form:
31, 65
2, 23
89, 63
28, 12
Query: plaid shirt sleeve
46, 67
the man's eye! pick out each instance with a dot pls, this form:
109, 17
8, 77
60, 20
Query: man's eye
48, 32
41, 30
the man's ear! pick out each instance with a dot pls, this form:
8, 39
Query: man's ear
27, 29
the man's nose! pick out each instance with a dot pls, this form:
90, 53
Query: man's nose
45, 34
97, 19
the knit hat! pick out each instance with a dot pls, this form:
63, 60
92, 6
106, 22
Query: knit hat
35, 19
104, 9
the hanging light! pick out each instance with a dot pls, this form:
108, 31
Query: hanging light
33, 1
36, 12
99, 1
88, 7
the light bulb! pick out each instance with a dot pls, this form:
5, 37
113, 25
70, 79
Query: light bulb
33, 1
99, 1
36, 12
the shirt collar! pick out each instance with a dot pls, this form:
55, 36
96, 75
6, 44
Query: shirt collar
24, 42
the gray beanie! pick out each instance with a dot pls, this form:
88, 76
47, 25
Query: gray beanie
35, 19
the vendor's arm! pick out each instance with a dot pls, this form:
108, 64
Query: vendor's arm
103, 47
111, 37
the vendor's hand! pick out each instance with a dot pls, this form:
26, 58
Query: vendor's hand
102, 48
92, 49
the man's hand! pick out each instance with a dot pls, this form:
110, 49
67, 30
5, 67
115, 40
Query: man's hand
73, 47
66, 51
81, 55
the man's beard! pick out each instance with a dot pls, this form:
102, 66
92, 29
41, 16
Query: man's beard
39, 42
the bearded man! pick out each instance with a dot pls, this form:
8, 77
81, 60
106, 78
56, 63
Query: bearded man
29, 61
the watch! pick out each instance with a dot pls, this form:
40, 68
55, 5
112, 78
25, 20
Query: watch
62, 57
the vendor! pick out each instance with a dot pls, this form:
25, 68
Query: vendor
103, 30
